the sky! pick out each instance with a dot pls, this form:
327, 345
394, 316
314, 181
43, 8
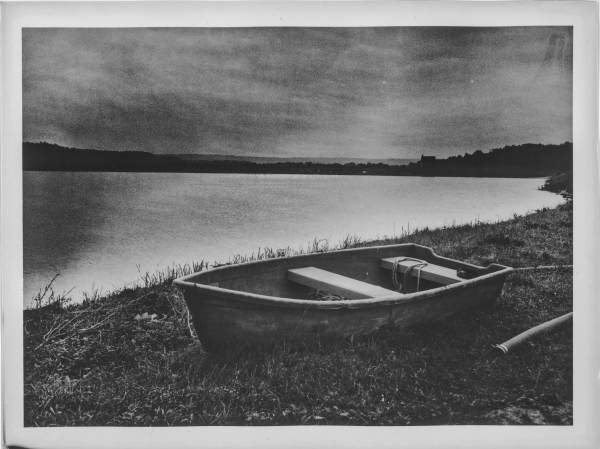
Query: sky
395, 92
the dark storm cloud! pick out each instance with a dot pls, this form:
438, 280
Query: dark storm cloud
380, 92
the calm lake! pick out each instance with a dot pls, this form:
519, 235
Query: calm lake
99, 230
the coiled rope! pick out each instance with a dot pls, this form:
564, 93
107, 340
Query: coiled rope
420, 264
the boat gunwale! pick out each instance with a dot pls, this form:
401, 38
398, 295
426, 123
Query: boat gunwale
393, 298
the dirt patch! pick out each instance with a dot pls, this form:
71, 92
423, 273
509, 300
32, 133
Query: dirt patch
545, 415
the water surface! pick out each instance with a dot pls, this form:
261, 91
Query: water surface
98, 230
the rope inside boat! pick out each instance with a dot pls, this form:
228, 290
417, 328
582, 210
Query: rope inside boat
420, 264
323, 296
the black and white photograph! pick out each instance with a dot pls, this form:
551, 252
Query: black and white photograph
299, 218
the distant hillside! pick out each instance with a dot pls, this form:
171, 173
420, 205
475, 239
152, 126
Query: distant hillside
49, 157
273, 159
528, 160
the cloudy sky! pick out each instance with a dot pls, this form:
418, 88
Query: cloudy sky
351, 92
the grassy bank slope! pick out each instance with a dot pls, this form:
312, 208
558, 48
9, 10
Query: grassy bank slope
561, 183
95, 364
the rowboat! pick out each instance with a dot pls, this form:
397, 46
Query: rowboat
280, 301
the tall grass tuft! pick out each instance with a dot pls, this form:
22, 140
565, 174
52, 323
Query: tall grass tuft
169, 274
314, 246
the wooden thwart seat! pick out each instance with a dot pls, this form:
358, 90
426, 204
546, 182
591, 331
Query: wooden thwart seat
429, 272
336, 284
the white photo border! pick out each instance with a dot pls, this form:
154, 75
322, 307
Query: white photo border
583, 16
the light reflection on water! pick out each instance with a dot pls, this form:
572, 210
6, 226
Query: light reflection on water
95, 229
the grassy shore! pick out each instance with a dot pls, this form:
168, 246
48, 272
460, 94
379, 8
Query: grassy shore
103, 362
561, 183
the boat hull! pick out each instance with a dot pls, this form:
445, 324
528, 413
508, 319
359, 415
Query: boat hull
225, 318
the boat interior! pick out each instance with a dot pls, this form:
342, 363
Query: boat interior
349, 274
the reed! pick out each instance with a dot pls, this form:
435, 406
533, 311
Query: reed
169, 274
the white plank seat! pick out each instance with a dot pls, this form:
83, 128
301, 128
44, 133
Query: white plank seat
429, 272
336, 284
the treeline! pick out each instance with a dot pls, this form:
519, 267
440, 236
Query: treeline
526, 160
50, 157
536, 157
527, 155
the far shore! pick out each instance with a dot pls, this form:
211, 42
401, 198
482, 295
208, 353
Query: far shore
517, 161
